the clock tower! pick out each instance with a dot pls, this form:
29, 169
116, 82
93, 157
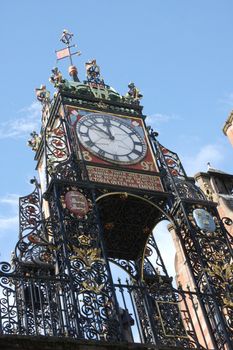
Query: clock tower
105, 182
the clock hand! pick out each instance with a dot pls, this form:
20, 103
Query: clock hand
97, 128
108, 125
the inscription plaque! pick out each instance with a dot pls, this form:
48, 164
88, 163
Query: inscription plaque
124, 178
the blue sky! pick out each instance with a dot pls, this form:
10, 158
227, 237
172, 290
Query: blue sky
178, 52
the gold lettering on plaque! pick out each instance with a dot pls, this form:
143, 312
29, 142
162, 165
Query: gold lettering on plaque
124, 178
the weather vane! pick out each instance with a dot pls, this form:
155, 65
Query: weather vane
66, 39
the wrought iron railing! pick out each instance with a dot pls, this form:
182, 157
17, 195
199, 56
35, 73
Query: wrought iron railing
38, 302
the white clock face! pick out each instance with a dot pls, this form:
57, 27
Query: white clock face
111, 138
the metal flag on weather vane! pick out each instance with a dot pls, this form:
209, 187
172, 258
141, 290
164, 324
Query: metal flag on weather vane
66, 52
63, 53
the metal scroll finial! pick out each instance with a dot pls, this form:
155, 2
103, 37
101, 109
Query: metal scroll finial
66, 39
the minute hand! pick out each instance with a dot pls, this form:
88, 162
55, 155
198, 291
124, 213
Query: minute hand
108, 125
96, 127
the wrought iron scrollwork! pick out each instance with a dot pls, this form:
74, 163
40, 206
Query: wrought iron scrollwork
35, 244
188, 190
173, 163
127, 265
210, 257
175, 178
228, 222
57, 149
85, 266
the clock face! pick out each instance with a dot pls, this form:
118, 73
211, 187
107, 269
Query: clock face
111, 139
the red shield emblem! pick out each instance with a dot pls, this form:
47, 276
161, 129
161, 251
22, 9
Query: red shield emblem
76, 202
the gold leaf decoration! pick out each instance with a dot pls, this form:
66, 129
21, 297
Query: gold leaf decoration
88, 256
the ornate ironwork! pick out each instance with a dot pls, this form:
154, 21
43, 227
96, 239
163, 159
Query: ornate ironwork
60, 282
173, 162
227, 223
175, 179
209, 255
85, 266
60, 285
188, 190
57, 149
203, 248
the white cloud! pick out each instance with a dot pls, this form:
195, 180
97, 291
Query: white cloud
158, 118
19, 127
10, 199
213, 153
8, 221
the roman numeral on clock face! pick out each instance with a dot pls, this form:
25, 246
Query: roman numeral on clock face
89, 143
85, 134
138, 153
101, 153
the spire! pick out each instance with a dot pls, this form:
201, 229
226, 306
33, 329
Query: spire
66, 39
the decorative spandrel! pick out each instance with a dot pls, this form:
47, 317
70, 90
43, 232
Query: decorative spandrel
175, 179
173, 163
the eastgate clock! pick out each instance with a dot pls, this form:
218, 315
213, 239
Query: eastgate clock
111, 138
